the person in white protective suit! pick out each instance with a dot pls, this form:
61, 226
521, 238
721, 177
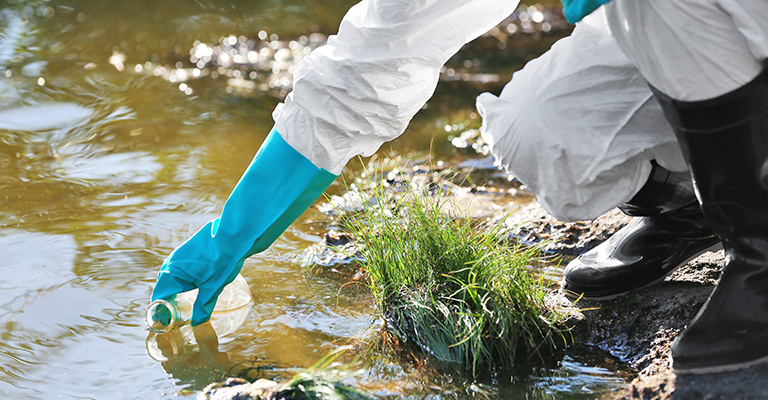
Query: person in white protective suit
644, 95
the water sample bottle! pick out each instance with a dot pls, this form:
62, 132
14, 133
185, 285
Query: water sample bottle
230, 312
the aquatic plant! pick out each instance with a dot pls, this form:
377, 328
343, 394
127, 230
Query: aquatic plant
322, 381
452, 287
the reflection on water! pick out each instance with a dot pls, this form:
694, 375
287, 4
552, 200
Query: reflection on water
28, 118
245, 65
113, 150
190, 355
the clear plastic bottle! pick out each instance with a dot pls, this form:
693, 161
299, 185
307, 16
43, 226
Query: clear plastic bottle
230, 312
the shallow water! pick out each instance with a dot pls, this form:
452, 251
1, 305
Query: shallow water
113, 150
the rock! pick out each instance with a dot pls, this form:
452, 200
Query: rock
238, 389
749, 384
530, 224
639, 327
334, 250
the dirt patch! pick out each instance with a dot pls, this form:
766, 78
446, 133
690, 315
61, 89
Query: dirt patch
639, 328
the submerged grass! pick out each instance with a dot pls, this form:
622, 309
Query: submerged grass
455, 290
320, 382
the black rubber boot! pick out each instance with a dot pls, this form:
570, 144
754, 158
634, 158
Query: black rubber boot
670, 231
725, 142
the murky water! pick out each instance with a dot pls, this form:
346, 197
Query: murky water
121, 132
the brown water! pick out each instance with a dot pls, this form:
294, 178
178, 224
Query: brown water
113, 150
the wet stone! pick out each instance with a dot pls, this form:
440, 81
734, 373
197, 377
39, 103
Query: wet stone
236, 388
533, 226
473, 197
337, 253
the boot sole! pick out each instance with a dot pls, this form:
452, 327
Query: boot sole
715, 247
718, 369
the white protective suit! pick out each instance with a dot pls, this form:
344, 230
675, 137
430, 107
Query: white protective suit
699, 49
578, 125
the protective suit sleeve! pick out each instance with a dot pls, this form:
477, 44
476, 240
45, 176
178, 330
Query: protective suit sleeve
363, 87
579, 125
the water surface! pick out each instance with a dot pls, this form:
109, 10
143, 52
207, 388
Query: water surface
113, 150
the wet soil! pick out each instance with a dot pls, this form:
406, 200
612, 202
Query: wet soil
639, 328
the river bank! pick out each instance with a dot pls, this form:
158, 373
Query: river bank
636, 329
639, 328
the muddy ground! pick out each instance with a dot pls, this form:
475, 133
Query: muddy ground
639, 328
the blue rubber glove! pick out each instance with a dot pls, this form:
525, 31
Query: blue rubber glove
277, 187
575, 10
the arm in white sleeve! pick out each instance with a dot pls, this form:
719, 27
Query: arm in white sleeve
363, 87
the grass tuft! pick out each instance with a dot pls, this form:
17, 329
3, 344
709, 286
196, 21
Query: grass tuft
320, 382
452, 288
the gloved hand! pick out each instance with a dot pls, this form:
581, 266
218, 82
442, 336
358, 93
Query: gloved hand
575, 10
277, 187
